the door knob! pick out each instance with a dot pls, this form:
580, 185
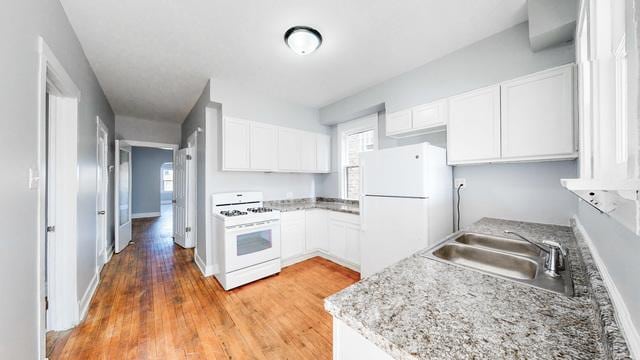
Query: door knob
101, 212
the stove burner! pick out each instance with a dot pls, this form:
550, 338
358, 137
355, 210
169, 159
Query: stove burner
233, 213
259, 210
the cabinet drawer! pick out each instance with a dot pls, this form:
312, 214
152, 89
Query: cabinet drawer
344, 217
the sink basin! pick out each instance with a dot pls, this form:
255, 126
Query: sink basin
499, 243
490, 261
509, 259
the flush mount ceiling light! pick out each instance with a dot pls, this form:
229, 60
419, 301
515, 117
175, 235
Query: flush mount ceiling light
303, 40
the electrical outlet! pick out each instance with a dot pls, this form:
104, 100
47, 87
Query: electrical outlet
460, 181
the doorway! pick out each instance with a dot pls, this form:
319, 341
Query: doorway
57, 183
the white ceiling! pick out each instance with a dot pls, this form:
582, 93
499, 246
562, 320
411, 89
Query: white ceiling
154, 57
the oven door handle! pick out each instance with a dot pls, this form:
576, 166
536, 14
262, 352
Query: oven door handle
252, 226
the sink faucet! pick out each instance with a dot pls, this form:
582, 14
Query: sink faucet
554, 261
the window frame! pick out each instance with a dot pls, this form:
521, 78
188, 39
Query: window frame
164, 167
366, 123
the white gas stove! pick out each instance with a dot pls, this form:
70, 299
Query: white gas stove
247, 238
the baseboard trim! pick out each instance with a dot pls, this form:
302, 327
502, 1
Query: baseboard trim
145, 215
88, 295
622, 312
319, 253
110, 253
206, 270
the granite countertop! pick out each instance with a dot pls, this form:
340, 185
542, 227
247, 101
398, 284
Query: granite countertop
339, 205
424, 309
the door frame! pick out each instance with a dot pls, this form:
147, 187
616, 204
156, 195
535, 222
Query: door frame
61, 257
192, 218
132, 143
103, 252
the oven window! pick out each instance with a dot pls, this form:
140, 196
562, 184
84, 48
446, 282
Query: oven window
253, 242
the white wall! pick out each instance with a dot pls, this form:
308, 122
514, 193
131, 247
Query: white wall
22, 23
500, 57
131, 128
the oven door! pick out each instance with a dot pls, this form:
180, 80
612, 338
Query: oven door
248, 245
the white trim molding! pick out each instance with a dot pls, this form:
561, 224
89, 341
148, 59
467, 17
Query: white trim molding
145, 215
206, 270
84, 303
623, 316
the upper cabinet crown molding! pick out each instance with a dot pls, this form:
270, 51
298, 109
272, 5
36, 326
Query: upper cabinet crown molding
254, 146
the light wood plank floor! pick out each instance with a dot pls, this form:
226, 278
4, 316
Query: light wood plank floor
153, 303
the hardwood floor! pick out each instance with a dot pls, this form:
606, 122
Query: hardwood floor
153, 303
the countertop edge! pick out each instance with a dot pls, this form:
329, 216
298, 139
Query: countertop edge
605, 314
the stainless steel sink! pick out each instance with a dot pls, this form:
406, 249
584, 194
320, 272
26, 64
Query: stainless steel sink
498, 243
510, 259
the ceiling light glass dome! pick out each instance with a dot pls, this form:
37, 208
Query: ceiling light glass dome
303, 40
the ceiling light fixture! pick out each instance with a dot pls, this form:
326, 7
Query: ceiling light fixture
303, 40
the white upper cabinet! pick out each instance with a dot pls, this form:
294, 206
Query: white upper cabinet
264, 147
430, 116
308, 152
538, 115
254, 146
323, 161
399, 122
236, 144
473, 132
289, 144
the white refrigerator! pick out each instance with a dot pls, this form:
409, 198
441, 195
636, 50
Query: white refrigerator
406, 203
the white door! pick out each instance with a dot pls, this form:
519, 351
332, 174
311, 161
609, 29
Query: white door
392, 229
180, 197
293, 233
289, 150
264, 147
317, 228
308, 151
102, 185
323, 162
473, 132
191, 198
236, 135
398, 122
122, 196
338, 239
429, 115
537, 115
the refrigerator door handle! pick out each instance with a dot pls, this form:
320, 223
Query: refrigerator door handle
363, 225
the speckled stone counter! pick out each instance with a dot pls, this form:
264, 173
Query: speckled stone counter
424, 309
340, 205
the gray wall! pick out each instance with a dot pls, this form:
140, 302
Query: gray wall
146, 178
21, 24
619, 249
494, 190
131, 128
194, 121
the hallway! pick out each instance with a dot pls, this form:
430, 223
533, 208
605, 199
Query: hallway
153, 303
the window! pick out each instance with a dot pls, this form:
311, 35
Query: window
357, 136
167, 177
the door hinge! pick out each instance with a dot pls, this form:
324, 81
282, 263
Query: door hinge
46, 303
51, 228
173, 201
189, 157
187, 229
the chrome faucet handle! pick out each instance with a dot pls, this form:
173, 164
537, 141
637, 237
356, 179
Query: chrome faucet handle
555, 245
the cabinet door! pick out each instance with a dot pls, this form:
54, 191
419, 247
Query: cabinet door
338, 239
429, 115
236, 144
352, 233
473, 133
288, 150
264, 146
537, 115
399, 121
317, 229
292, 234
308, 151
324, 153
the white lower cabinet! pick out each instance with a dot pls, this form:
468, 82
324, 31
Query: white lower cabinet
292, 234
317, 230
334, 235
